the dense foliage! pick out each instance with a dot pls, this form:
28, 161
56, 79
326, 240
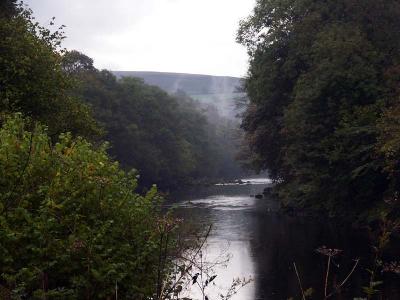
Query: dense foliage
323, 86
8, 8
71, 224
166, 137
32, 80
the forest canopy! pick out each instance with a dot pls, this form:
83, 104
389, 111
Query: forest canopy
168, 138
324, 101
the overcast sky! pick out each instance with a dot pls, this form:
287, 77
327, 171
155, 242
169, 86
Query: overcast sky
188, 36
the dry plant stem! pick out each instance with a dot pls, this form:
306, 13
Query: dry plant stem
164, 262
231, 293
201, 283
242, 287
161, 297
327, 276
344, 280
298, 278
159, 267
351, 272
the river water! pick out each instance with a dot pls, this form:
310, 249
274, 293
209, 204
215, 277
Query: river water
262, 245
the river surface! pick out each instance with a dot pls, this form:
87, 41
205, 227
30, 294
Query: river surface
263, 244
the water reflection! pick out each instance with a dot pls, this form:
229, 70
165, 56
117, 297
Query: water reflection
263, 244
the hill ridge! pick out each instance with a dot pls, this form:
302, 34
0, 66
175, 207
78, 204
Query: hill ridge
176, 73
219, 91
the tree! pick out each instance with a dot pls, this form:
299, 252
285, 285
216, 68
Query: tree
74, 62
317, 89
32, 79
8, 8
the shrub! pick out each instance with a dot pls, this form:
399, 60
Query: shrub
71, 223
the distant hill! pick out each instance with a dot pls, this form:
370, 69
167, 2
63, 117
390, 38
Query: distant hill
220, 91
189, 83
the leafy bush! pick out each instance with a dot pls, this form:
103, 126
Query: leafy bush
71, 224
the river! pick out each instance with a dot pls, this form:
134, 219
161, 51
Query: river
263, 244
